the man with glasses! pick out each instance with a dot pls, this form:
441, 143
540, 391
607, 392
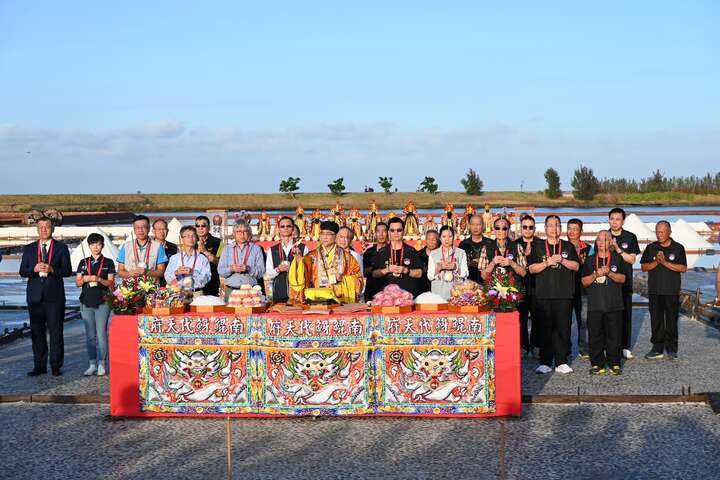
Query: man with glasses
625, 244
331, 266
241, 262
374, 285
45, 263
140, 255
279, 260
397, 263
209, 246
160, 231
554, 263
473, 245
526, 308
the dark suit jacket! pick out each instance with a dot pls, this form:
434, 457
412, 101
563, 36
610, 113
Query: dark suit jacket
50, 288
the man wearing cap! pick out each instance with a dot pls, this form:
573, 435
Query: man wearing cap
330, 266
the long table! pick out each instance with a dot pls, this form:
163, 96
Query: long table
278, 365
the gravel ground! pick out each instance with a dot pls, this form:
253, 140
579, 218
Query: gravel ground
577, 441
696, 367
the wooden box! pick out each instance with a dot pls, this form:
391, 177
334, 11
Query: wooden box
430, 307
466, 309
164, 310
207, 308
244, 310
392, 310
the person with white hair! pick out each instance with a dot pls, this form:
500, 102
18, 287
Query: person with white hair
603, 278
242, 262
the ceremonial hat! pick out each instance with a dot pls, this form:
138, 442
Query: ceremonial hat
330, 226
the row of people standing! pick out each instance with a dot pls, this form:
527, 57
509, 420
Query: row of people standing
549, 270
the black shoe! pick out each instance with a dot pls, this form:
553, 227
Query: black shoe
56, 372
653, 355
37, 371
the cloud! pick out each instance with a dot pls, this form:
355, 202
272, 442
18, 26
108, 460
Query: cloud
172, 157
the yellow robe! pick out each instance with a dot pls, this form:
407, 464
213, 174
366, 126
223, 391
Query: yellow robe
349, 282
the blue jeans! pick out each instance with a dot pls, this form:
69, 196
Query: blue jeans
96, 328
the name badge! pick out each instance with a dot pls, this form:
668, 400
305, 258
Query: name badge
406, 262
624, 245
671, 257
564, 254
510, 256
613, 268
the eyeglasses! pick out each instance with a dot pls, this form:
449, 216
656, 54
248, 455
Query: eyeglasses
396, 230
528, 227
201, 225
501, 228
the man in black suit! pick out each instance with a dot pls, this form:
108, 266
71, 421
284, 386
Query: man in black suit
45, 263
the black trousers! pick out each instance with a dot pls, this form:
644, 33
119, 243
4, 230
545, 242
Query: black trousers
47, 317
524, 311
577, 310
664, 311
605, 337
528, 315
627, 318
555, 321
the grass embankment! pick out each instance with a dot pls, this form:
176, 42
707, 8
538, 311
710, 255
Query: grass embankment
277, 201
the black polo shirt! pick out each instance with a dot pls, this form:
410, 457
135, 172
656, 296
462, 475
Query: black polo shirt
662, 280
558, 282
627, 241
423, 283
93, 296
529, 280
512, 253
212, 244
372, 285
604, 297
582, 255
410, 259
472, 252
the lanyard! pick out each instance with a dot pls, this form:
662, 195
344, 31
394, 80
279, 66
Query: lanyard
547, 248
442, 252
50, 252
88, 265
503, 253
282, 251
148, 246
402, 255
323, 254
605, 262
247, 254
182, 259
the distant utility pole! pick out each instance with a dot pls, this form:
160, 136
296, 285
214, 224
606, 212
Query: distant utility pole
522, 182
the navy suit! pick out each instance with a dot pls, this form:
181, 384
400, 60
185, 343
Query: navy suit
46, 302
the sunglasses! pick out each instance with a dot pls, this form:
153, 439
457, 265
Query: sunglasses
501, 228
286, 226
528, 227
201, 225
395, 230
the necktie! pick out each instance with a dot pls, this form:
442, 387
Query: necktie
44, 253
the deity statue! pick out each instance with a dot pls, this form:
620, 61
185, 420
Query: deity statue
469, 212
263, 228
371, 221
412, 229
355, 225
315, 228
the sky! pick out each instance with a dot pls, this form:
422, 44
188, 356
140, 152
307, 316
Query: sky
233, 96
